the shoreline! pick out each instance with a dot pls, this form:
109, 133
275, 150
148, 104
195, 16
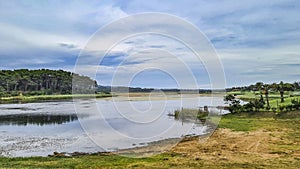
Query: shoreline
49, 98
146, 150
118, 96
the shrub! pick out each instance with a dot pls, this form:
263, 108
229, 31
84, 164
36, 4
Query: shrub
176, 114
281, 108
296, 104
248, 107
289, 107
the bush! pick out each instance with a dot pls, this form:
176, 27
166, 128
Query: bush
281, 108
2, 91
235, 107
289, 107
14, 93
34, 93
258, 104
296, 104
248, 107
176, 114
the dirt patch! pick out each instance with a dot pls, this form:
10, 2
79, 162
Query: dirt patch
233, 146
223, 144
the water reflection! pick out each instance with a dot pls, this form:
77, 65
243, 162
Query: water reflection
36, 119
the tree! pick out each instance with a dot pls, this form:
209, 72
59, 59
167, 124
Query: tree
281, 91
234, 104
258, 104
248, 107
296, 85
228, 98
259, 86
42, 81
266, 91
284, 87
2, 91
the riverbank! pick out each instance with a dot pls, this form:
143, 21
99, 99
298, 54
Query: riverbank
135, 96
44, 98
255, 140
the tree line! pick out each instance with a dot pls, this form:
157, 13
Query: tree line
122, 89
263, 101
264, 89
43, 82
273, 86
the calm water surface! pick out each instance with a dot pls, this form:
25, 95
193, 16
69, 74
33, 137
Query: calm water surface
39, 129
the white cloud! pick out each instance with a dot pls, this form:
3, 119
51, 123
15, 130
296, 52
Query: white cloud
255, 39
248, 65
28, 38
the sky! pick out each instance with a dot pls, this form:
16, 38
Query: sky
255, 40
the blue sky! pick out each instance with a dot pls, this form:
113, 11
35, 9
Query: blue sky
256, 40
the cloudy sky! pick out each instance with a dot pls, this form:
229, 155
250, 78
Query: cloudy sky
256, 40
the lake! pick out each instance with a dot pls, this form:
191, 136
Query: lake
39, 129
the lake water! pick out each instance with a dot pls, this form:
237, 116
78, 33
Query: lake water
39, 129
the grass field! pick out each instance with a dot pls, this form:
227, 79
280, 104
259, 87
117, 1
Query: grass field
274, 97
256, 140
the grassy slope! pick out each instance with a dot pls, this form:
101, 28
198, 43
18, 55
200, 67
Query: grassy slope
278, 138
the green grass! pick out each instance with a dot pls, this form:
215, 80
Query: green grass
274, 97
247, 95
250, 121
91, 161
287, 101
239, 124
166, 160
163, 161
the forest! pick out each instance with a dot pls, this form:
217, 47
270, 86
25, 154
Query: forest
43, 82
